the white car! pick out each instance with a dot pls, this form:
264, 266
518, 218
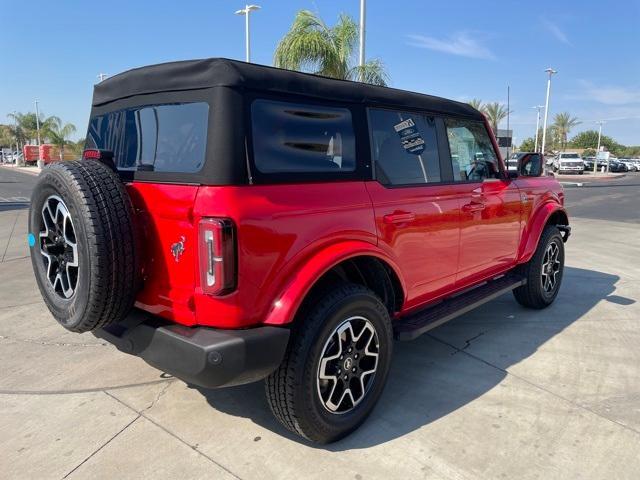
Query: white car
568, 162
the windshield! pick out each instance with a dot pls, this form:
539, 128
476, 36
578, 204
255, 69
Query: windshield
569, 155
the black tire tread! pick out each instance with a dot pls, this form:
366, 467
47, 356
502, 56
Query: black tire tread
110, 241
529, 295
281, 385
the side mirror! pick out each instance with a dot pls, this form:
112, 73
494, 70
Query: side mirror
530, 166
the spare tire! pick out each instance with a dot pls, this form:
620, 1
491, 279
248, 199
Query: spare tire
83, 244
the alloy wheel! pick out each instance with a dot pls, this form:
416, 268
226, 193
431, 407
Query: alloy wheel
348, 365
58, 247
550, 268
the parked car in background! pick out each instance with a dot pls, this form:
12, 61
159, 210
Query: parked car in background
588, 163
631, 165
568, 162
616, 166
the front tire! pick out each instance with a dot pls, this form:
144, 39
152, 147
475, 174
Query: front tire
543, 272
335, 367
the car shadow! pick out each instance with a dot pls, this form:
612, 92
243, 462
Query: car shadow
432, 376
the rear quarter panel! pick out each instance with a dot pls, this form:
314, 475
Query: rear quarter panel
279, 229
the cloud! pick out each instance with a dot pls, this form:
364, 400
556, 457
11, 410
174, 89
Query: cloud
555, 31
460, 43
607, 94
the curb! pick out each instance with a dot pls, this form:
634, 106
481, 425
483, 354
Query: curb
27, 170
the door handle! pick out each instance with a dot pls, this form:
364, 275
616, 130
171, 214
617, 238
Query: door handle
473, 207
399, 217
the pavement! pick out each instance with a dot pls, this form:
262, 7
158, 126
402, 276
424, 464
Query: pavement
501, 392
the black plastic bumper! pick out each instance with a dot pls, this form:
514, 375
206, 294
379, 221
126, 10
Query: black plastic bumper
203, 356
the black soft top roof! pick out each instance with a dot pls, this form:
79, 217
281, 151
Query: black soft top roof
222, 72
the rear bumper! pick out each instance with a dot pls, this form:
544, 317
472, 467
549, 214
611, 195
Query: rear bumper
203, 356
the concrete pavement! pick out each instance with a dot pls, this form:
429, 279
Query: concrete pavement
502, 392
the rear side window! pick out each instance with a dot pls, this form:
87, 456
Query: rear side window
162, 138
404, 147
472, 153
300, 138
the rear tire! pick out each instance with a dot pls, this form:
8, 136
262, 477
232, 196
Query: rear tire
83, 244
543, 272
308, 392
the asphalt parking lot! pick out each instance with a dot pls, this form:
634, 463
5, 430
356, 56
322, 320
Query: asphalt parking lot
501, 392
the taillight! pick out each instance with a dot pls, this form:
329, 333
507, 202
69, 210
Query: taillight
91, 154
217, 255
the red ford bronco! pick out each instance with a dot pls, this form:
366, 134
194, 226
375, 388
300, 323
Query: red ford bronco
231, 222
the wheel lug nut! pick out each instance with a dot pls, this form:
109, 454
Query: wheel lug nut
355, 356
354, 370
346, 377
339, 371
341, 357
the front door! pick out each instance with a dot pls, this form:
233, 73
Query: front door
416, 215
490, 203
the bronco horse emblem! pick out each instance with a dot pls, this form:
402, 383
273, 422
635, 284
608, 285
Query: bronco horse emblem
177, 248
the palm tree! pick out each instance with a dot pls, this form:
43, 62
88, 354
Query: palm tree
25, 127
563, 123
495, 113
476, 103
59, 134
312, 46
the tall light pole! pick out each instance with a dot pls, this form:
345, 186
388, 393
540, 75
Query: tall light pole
363, 12
38, 130
16, 156
537, 107
550, 71
246, 11
595, 160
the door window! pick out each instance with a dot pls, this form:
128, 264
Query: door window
472, 154
404, 147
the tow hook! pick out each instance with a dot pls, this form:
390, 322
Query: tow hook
566, 230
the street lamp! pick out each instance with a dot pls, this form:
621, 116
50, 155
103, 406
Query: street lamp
40, 164
246, 11
550, 71
595, 160
362, 31
537, 107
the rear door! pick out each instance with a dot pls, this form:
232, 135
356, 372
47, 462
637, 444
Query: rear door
490, 203
416, 214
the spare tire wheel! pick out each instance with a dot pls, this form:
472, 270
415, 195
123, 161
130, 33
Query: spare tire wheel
83, 244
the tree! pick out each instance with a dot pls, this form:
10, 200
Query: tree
476, 103
59, 134
528, 145
564, 122
25, 127
311, 45
7, 139
495, 113
589, 139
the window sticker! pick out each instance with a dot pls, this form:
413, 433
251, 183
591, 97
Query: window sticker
410, 137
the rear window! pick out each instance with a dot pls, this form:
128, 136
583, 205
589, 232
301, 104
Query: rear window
300, 138
162, 138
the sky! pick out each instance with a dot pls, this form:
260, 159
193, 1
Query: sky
54, 51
